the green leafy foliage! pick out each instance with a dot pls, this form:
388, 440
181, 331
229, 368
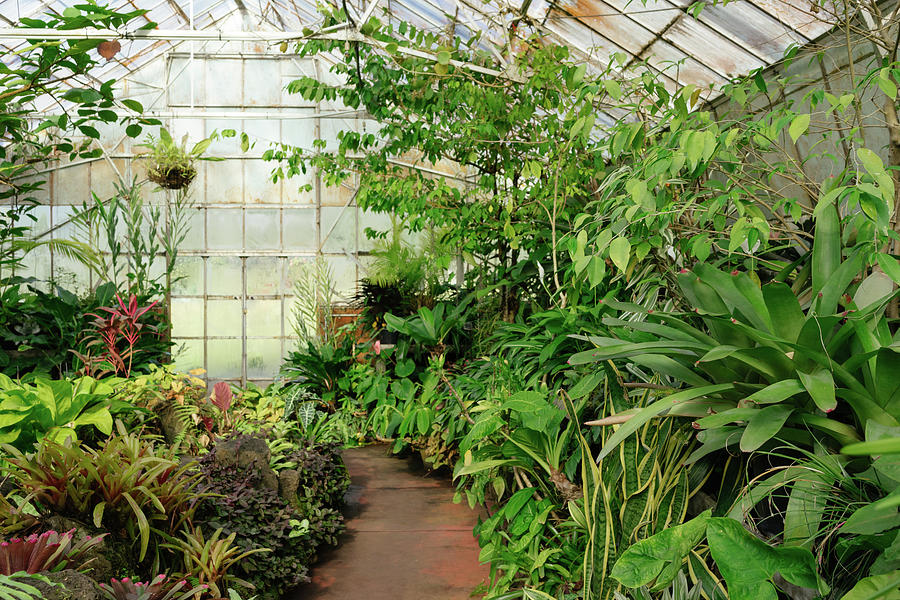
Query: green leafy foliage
35, 409
747, 564
259, 518
128, 486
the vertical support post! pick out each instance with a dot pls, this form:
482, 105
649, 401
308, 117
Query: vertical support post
192, 56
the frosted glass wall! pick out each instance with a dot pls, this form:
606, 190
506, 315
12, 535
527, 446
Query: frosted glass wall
231, 307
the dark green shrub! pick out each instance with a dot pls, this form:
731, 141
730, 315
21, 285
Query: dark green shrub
262, 519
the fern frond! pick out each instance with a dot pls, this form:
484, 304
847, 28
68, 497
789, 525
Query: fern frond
71, 249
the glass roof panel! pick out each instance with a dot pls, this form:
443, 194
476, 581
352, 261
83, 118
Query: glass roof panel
722, 42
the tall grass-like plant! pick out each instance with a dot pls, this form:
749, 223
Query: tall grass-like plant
136, 234
312, 316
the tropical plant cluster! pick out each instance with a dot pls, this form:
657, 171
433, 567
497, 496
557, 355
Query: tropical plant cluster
112, 473
668, 366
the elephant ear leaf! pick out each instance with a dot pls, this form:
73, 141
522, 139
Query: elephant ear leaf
659, 558
875, 587
748, 564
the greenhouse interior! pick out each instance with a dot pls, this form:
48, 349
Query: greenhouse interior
449, 299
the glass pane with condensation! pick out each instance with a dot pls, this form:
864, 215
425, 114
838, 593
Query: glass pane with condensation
344, 270
187, 317
299, 229
263, 358
223, 276
263, 228
263, 275
224, 358
339, 225
224, 318
224, 182
258, 186
194, 238
187, 276
263, 318
223, 228
188, 354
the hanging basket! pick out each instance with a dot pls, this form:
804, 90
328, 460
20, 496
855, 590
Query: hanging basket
172, 178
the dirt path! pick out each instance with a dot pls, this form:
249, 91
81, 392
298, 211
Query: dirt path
405, 538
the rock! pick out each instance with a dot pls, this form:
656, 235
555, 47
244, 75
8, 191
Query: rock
248, 452
288, 483
107, 559
70, 585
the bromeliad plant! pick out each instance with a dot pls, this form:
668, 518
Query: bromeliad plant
128, 485
172, 165
158, 589
48, 551
762, 363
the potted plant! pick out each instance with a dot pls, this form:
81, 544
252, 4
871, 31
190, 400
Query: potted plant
172, 165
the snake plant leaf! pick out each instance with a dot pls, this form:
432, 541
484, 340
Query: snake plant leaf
876, 587
655, 409
658, 559
748, 564
764, 425
820, 385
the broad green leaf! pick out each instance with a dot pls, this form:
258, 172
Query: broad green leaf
805, 508
871, 161
787, 316
875, 447
777, 392
873, 288
876, 587
826, 248
586, 384
798, 127
820, 385
748, 564
659, 558
98, 416
875, 517
764, 425
619, 252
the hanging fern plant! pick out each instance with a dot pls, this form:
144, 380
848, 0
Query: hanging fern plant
172, 166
